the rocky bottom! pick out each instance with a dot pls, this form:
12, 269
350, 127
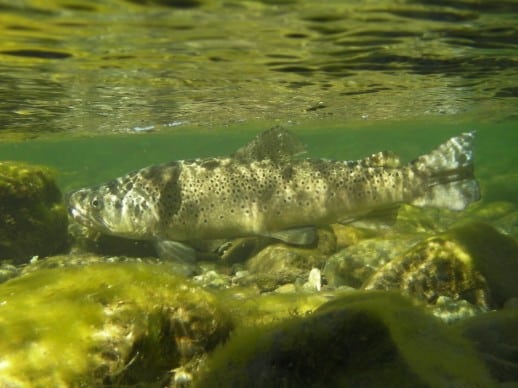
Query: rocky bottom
430, 301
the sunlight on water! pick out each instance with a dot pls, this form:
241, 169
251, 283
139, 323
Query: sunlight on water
122, 66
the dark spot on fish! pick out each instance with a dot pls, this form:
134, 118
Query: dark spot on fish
287, 173
113, 187
171, 195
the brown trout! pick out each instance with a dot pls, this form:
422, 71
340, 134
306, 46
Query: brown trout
266, 189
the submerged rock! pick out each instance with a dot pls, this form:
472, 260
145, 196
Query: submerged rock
372, 339
449, 310
347, 235
87, 240
428, 220
33, 218
240, 249
352, 266
473, 262
496, 337
502, 215
105, 324
278, 264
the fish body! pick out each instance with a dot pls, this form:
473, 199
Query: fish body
264, 189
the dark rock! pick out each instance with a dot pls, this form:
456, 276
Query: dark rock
473, 262
362, 340
495, 335
33, 218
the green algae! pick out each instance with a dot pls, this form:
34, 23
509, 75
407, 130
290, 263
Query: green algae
495, 336
34, 219
472, 262
104, 323
366, 339
249, 308
278, 264
492, 253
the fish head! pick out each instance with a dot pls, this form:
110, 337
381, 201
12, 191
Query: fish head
112, 209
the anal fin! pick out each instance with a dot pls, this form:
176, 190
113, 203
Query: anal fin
297, 236
376, 219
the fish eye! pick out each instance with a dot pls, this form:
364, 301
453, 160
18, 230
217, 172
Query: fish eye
96, 203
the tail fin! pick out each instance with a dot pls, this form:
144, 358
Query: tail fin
449, 168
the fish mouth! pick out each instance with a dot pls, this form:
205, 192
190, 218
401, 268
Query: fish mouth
82, 217
79, 215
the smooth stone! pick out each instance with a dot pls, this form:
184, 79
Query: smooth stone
364, 339
279, 263
495, 335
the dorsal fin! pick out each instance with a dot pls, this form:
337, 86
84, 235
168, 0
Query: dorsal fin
275, 144
381, 159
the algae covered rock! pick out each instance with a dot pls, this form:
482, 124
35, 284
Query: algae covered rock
368, 339
495, 335
278, 264
473, 262
33, 218
105, 324
352, 266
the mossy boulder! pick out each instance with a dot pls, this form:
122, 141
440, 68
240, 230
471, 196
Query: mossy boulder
367, 339
105, 324
33, 218
473, 262
495, 335
279, 263
355, 264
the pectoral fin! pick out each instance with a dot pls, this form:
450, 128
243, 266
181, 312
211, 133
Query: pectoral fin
297, 236
174, 250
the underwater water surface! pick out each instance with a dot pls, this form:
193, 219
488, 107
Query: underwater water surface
95, 68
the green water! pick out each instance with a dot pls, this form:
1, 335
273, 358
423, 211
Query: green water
88, 161
96, 89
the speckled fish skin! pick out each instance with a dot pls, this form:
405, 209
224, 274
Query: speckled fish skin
231, 197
